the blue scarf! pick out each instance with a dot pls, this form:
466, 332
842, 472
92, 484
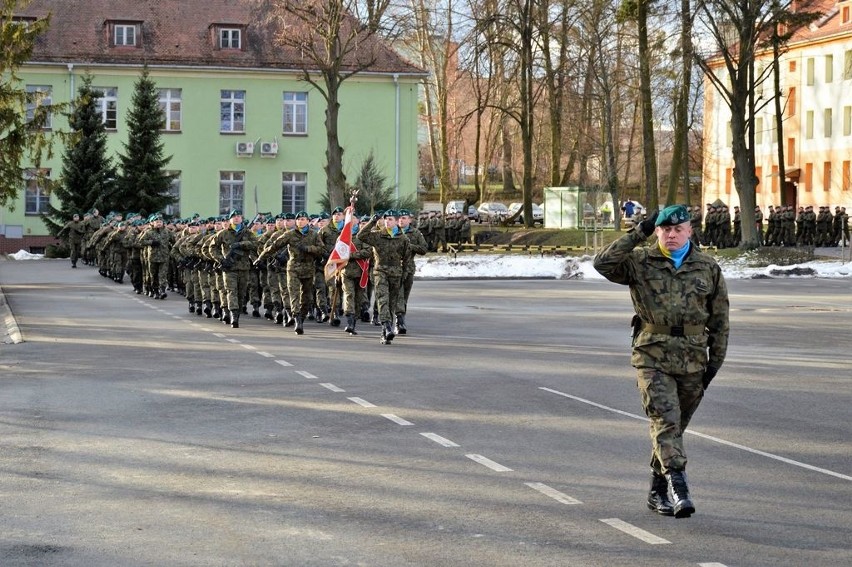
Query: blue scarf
676, 256
339, 225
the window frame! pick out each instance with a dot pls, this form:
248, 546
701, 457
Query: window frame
173, 210
295, 113
294, 182
33, 180
230, 32
233, 102
124, 27
108, 106
233, 182
41, 101
166, 101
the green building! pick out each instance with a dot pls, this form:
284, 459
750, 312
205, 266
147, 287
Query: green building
242, 127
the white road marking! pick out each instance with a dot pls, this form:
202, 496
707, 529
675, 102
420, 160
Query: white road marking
396, 419
264, 354
712, 565
553, 493
488, 463
220, 335
235, 341
249, 347
632, 530
176, 317
439, 440
361, 402
283, 363
332, 387
708, 437
305, 374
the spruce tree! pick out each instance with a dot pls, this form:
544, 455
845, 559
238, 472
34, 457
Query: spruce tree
87, 172
143, 184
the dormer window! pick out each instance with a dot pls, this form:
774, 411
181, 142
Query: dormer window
125, 34
230, 37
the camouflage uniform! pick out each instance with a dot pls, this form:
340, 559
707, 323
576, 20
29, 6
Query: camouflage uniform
417, 246
157, 242
231, 248
682, 314
74, 230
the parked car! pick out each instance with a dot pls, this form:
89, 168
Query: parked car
472, 214
454, 207
492, 212
537, 213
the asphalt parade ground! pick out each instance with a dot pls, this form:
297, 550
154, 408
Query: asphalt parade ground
504, 430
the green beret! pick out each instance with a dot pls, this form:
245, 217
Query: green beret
337, 210
404, 213
301, 215
390, 213
672, 215
234, 213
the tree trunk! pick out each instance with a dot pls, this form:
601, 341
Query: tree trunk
681, 125
335, 178
648, 145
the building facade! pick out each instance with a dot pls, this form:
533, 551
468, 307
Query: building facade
242, 126
816, 82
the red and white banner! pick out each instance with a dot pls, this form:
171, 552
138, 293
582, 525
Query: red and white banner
339, 256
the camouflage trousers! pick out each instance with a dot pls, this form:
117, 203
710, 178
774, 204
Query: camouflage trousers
669, 402
301, 291
405, 293
158, 272
236, 288
387, 295
204, 285
354, 295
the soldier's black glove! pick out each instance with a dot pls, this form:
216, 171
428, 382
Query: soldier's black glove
155, 244
647, 226
376, 217
709, 374
236, 245
302, 248
227, 263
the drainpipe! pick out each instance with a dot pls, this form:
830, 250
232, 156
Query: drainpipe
71, 80
397, 141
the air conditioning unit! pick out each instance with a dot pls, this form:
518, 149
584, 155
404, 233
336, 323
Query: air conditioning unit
269, 149
245, 149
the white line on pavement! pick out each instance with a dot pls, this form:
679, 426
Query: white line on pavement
708, 437
396, 419
235, 341
439, 440
283, 363
305, 374
264, 354
249, 347
553, 493
361, 402
220, 335
711, 565
332, 387
488, 463
632, 530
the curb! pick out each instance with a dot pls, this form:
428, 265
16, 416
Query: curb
11, 331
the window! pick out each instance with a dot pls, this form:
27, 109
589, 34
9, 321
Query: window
791, 151
791, 102
37, 193
809, 66
173, 210
230, 38
729, 180
845, 16
827, 118
809, 125
847, 175
170, 105
124, 35
847, 65
38, 96
232, 111
295, 113
294, 191
826, 175
758, 130
809, 177
775, 183
847, 120
729, 136
231, 190
829, 68
108, 103
793, 66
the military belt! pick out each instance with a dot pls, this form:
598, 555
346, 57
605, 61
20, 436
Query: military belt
675, 331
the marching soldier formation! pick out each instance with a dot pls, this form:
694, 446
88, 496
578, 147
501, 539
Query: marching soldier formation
224, 265
784, 226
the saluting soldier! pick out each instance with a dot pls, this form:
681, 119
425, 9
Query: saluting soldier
680, 338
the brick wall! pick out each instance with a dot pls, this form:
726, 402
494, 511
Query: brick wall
33, 244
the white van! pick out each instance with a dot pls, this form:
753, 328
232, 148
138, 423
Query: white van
454, 207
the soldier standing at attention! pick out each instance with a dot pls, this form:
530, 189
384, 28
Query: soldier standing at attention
758, 224
680, 337
417, 245
390, 247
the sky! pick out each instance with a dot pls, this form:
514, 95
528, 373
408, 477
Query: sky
580, 267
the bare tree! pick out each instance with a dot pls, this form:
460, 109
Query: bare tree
334, 40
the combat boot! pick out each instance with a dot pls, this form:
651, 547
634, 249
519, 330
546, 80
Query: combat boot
658, 495
300, 321
335, 319
235, 319
267, 314
226, 315
365, 315
256, 311
162, 294
400, 324
683, 507
375, 319
198, 308
191, 306
208, 309
387, 333
289, 320
350, 324
278, 309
